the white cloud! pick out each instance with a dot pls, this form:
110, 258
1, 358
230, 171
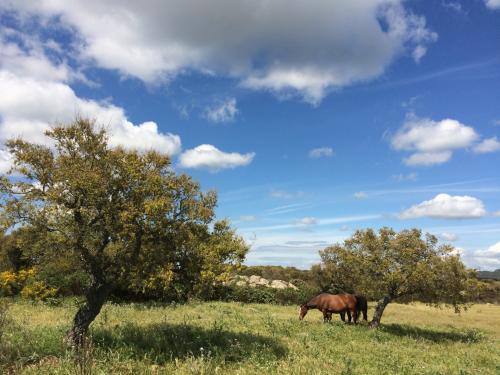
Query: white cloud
492, 251
432, 142
497, 214
29, 106
418, 53
485, 259
211, 158
427, 158
315, 48
492, 4
360, 195
225, 111
35, 94
488, 145
444, 206
316, 153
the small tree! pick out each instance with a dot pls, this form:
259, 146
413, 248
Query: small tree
123, 216
400, 266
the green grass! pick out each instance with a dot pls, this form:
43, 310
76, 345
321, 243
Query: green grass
233, 338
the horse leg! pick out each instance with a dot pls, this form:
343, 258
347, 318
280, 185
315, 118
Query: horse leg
355, 315
342, 316
325, 316
349, 315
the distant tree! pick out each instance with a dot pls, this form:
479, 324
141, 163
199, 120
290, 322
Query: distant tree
14, 252
400, 266
124, 217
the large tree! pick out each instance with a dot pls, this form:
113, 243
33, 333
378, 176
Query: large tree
124, 215
404, 266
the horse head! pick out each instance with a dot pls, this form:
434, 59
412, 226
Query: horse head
303, 311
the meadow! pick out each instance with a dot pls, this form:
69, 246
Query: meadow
236, 338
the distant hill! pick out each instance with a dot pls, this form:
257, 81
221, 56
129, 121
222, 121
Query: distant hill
489, 274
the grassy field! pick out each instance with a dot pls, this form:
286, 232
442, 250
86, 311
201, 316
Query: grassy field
232, 338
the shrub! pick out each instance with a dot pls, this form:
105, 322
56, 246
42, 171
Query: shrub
38, 291
11, 283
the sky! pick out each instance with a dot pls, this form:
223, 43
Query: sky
311, 119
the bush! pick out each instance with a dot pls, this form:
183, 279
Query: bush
260, 294
11, 283
38, 291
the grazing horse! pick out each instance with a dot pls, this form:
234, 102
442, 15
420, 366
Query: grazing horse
361, 306
331, 303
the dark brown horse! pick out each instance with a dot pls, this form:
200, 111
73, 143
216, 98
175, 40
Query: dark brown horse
361, 306
332, 303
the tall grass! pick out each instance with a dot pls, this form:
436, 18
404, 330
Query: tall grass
235, 338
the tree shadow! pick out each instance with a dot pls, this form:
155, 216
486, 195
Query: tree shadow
466, 336
164, 342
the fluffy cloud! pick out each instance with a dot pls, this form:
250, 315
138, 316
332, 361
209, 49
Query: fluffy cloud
315, 48
360, 195
28, 106
225, 111
492, 251
316, 153
492, 4
35, 93
485, 259
488, 145
444, 206
432, 142
211, 158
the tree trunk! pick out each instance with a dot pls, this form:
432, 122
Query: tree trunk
379, 310
96, 297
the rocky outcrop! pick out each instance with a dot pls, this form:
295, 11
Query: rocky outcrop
255, 281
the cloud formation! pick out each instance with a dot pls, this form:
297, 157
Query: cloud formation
360, 195
211, 158
315, 48
432, 142
224, 111
488, 145
316, 153
35, 94
444, 206
492, 4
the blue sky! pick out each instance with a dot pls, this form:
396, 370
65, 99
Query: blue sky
311, 119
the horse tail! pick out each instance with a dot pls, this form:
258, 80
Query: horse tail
362, 305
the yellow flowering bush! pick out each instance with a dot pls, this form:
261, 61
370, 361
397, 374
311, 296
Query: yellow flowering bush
38, 291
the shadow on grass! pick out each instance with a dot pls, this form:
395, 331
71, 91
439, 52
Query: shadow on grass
404, 330
164, 342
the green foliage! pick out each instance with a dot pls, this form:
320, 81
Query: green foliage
402, 265
122, 218
38, 291
260, 294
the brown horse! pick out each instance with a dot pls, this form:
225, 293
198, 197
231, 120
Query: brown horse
361, 306
331, 303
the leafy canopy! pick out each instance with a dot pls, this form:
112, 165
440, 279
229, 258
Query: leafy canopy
401, 265
125, 218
